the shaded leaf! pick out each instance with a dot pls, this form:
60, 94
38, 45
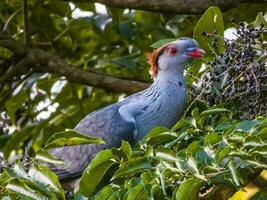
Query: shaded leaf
95, 171
246, 125
17, 140
14, 103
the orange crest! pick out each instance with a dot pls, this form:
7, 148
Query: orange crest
153, 60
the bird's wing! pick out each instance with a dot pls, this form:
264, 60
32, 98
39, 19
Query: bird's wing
106, 123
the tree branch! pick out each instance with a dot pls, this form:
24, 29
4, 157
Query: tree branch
110, 83
43, 61
219, 192
223, 192
172, 6
12, 45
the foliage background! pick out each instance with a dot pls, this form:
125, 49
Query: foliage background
38, 43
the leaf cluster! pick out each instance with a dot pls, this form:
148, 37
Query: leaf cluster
203, 150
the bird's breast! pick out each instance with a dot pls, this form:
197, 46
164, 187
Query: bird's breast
163, 107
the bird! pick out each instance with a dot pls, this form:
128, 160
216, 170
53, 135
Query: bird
131, 119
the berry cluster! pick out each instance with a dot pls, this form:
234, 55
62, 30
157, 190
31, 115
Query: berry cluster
239, 75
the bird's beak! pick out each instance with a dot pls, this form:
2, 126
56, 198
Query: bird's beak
195, 52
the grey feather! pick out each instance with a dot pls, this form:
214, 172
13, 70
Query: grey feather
107, 124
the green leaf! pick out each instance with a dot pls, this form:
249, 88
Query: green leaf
256, 164
43, 175
137, 192
17, 140
125, 61
95, 171
126, 148
193, 148
163, 42
125, 151
156, 131
224, 126
159, 135
3, 140
44, 156
234, 173
210, 21
149, 191
58, 7
260, 20
246, 125
212, 139
192, 166
17, 185
19, 169
194, 69
222, 154
79, 196
104, 194
14, 103
162, 180
189, 189
195, 113
69, 138
180, 124
191, 121
260, 195
133, 166
165, 154
260, 150
161, 138
5, 177
206, 156
214, 111
148, 177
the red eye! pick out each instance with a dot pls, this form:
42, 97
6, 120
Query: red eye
172, 50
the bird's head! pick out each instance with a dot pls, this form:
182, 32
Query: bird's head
174, 55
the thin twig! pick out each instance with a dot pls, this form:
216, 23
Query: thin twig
13, 70
9, 21
243, 72
197, 98
12, 89
25, 21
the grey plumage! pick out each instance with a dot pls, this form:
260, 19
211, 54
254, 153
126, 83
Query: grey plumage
132, 118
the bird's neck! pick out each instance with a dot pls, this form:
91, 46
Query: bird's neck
175, 76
